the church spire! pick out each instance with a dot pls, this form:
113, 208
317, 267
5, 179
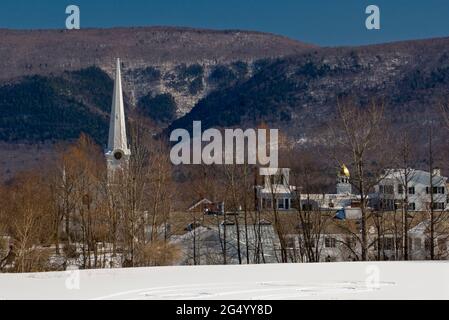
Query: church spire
117, 151
117, 130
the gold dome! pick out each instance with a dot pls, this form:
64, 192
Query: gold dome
344, 171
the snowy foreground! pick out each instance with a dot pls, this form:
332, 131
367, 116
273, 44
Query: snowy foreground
354, 280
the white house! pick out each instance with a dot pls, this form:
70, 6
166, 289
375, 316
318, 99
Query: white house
276, 192
343, 200
419, 241
391, 191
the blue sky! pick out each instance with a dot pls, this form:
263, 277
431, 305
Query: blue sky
323, 22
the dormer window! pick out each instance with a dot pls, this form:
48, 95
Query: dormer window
277, 179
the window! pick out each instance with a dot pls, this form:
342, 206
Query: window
438, 205
312, 243
281, 203
411, 190
442, 245
330, 242
412, 206
427, 244
417, 243
291, 243
266, 203
287, 203
386, 189
307, 207
388, 244
438, 190
400, 189
410, 244
277, 179
351, 242
387, 204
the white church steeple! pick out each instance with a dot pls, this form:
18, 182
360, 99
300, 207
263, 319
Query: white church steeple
117, 153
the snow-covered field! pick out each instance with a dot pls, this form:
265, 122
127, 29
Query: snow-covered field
350, 280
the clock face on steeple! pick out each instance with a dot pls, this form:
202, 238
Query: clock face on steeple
118, 155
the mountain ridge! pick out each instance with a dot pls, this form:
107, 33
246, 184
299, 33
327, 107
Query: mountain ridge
259, 77
299, 93
28, 52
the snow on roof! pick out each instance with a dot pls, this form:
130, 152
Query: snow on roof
417, 176
199, 202
277, 189
420, 228
273, 171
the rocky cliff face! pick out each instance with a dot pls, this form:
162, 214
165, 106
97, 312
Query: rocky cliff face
186, 83
180, 61
299, 93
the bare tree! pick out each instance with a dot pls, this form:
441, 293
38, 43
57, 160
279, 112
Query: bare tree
358, 139
27, 222
431, 206
144, 196
444, 107
310, 222
404, 160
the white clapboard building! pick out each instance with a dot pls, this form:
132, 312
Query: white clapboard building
417, 186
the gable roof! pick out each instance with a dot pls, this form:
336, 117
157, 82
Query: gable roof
199, 202
416, 176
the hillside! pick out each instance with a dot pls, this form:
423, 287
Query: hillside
39, 109
177, 61
50, 51
299, 93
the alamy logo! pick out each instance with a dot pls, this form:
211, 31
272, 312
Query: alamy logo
372, 280
251, 144
72, 281
372, 22
73, 20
